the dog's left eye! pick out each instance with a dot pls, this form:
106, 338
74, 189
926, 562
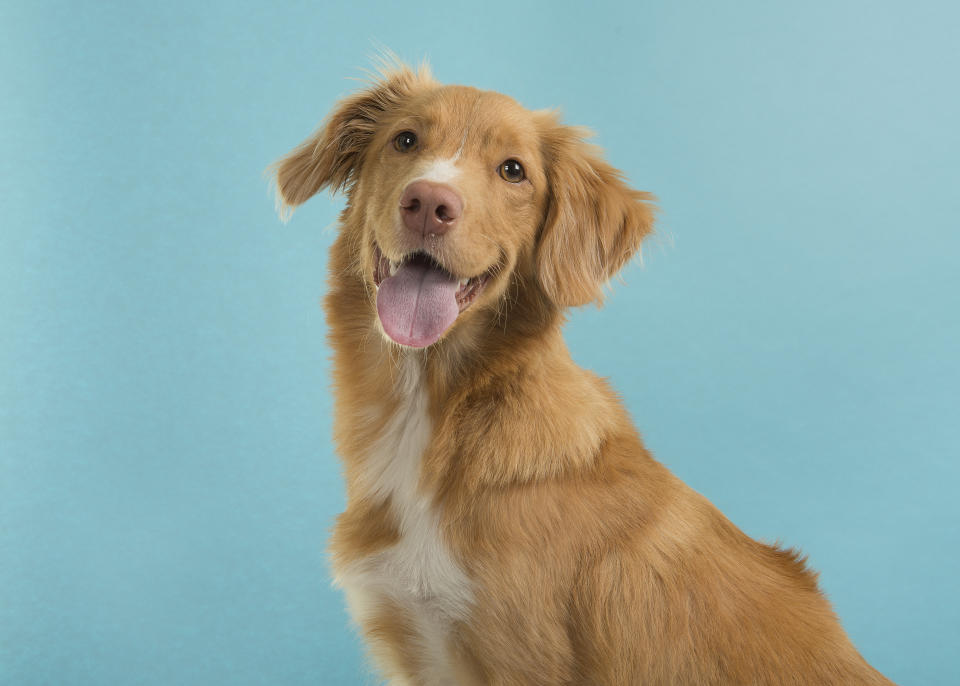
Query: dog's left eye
405, 141
512, 171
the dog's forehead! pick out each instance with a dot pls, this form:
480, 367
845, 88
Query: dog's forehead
464, 113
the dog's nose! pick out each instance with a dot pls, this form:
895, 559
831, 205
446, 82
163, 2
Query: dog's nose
429, 207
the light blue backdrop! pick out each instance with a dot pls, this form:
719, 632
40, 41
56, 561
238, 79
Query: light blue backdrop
790, 347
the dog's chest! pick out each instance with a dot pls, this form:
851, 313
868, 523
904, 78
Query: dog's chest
418, 573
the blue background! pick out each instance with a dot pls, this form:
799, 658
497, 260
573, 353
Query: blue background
789, 348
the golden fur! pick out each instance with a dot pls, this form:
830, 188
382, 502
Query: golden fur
588, 562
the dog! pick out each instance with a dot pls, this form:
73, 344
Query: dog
505, 524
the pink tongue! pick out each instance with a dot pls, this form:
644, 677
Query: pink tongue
417, 304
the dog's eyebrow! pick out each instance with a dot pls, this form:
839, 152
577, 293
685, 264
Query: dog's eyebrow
413, 119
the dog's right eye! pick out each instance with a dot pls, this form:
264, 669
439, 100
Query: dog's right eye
405, 141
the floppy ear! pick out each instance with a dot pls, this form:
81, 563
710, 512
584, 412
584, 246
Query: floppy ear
594, 223
332, 156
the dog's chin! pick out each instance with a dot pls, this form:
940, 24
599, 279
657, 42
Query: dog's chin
418, 299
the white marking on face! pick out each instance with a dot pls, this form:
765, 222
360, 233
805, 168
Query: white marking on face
463, 142
440, 171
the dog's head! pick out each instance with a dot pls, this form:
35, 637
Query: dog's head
458, 193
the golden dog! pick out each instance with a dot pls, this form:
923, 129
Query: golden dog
505, 524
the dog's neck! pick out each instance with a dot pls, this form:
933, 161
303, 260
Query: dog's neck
507, 404
494, 347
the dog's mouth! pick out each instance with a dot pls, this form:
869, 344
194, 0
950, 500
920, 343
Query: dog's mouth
418, 299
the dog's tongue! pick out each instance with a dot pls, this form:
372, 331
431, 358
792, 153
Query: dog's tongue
417, 304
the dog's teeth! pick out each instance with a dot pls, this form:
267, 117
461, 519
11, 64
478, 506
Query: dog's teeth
463, 282
393, 267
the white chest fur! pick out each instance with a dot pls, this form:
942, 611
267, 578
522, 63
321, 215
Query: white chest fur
418, 572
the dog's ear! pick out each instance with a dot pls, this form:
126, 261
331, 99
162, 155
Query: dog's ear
332, 156
594, 222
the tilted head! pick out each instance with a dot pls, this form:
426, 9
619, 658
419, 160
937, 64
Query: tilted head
458, 197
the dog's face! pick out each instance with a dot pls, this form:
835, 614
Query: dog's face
458, 191
453, 189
